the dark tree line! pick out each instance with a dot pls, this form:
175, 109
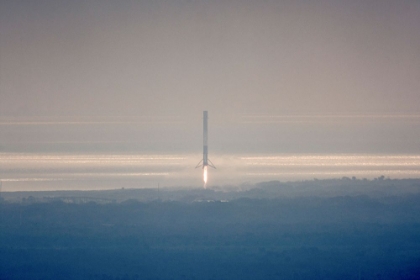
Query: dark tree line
343, 237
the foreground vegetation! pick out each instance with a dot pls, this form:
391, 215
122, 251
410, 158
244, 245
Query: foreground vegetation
300, 237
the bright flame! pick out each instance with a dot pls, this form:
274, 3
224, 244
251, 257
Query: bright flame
205, 175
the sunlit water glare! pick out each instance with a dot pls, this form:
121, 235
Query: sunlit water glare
67, 171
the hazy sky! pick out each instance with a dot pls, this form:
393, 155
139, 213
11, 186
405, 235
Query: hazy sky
170, 60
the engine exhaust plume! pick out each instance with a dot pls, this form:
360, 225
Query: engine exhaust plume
205, 176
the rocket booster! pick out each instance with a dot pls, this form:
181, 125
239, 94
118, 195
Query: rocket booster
205, 137
205, 161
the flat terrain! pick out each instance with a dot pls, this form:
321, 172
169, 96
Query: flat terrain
200, 234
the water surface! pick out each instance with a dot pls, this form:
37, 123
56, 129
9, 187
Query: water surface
50, 171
